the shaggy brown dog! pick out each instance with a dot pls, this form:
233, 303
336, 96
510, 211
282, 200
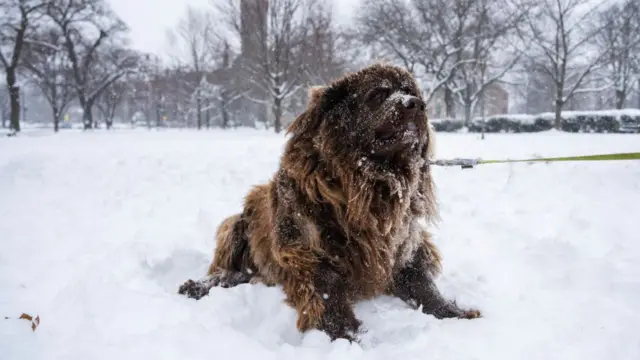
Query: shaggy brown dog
339, 221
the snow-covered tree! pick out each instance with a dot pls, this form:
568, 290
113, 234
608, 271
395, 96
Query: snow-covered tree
4, 104
620, 41
272, 60
114, 94
418, 34
49, 68
487, 52
322, 58
193, 42
17, 23
451, 45
558, 40
87, 25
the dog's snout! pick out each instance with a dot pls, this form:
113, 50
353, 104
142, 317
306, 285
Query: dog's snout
413, 103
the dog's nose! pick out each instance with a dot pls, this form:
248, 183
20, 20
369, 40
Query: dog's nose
413, 103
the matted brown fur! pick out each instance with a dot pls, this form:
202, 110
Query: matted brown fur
340, 219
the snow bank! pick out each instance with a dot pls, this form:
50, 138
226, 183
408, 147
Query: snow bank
99, 229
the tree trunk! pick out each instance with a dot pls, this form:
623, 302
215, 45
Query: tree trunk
449, 103
484, 121
225, 118
557, 124
111, 115
224, 103
87, 116
56, 118
467, 113
277, 114
14, 100
620, 99
199, 110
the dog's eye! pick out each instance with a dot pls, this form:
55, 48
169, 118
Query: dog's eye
378, 95
408, 91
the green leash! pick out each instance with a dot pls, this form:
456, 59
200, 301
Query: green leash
469, 163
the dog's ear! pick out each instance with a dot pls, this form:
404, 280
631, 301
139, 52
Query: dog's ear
321, 99
314, 95
334, 94
310, 117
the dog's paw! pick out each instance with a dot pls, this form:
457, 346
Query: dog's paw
470, 314
194, 290
341, 325
451, 310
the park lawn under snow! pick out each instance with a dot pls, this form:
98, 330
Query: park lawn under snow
98, 230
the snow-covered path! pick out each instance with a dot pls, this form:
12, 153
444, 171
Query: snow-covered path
98, 230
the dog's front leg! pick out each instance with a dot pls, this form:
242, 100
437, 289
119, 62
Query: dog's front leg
415, 283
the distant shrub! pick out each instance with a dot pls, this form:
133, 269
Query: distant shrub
602, 121
447, 125
509, 123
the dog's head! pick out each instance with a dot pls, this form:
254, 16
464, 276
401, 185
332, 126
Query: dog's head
378, 111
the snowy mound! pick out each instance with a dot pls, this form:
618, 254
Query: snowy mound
99, 229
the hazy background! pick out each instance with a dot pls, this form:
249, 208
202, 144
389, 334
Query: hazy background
148, 32
482, 65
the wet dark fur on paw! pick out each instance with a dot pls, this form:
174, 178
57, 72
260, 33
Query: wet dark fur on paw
340, 323
226, 279
194, 290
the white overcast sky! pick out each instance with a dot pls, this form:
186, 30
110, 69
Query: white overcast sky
149, 19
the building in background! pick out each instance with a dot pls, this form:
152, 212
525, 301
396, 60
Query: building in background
253, 26
253, 37
496, 101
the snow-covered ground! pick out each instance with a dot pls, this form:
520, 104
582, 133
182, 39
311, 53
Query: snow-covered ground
98, 230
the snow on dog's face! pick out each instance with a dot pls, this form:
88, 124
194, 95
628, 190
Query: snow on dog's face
378, 110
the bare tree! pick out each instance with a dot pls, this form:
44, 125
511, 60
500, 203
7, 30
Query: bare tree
17, 18
326, 53
4, 105
151, 89
48, 64
195, 38
392, 30
229, 91
323, 62
488, 52
110, 99
620, 41
78, 20
431, 38
222, 89
558, 44
273, 36
115, 92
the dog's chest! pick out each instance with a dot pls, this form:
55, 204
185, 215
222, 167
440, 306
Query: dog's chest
405, 242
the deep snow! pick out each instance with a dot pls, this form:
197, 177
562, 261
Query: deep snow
98, 230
